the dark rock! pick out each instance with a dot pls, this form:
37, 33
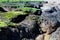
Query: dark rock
13, 34
38, 12
29, 29
2, 10
19, 18
9, 34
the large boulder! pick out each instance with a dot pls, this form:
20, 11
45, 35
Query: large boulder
28, 28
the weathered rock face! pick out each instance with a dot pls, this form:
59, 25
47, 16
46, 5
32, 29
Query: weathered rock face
28, 29
55, 35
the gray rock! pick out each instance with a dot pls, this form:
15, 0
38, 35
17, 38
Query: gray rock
28, 28
55, 35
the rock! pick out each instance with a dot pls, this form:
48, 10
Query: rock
2, 9
55, 35
50, 7
28, 28
47, 14
40, 37
9, 34
52, 13
13, 34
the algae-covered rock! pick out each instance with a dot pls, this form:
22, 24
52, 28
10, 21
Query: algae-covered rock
7, 16
28, 9
3, 24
